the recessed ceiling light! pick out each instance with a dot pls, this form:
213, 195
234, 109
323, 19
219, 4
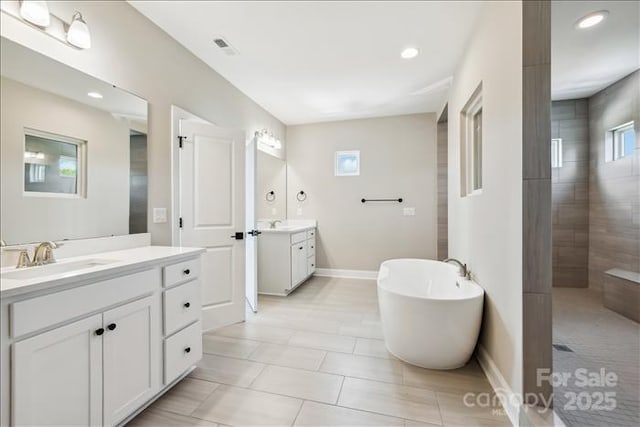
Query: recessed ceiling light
95, 95
410, 52
591, 19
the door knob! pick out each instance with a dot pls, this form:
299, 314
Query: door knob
238, 236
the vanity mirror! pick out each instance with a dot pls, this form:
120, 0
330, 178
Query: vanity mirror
271, 195
73, 152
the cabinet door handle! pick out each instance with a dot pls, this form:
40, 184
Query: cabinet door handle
311, 247
187, 271
112, 326
100, 331
187, 350
187, 304
301, 247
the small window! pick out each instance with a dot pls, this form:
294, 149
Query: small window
53, 165
620, 142
556, 153
471, 118
347, 163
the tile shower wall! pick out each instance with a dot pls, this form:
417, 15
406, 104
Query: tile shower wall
614, 187
570, 195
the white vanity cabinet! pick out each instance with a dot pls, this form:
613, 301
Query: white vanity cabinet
96, 352
285, 260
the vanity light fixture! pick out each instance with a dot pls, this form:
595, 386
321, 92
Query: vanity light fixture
265, 137
95, 95
410, 52
591, 19
35, 12
78, 33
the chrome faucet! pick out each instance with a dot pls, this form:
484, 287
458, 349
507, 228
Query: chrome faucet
44, 253
463, 271
272, 224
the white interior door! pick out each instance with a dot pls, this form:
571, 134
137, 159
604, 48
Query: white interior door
252, 236
212, 215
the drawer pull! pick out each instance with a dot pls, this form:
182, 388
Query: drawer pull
187, 271
112, 326
301, 247
311, 247
187, 350
187, 304
100, 331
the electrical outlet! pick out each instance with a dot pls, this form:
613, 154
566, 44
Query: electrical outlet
409, 211
159, 215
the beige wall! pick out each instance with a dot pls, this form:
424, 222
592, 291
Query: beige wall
105, 210
398, 159
485, 230
271, 175
132, 53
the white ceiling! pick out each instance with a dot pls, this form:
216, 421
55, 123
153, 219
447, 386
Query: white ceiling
326, 60
584, 62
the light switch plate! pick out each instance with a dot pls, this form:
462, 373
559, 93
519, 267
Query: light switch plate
159, 215
409, 211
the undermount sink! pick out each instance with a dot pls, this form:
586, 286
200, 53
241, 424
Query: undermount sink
47, 270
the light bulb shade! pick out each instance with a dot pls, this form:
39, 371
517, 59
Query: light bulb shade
78, 34
35, 12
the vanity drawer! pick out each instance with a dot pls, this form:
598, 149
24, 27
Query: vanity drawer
181, 351
41, 312
311, 247
181, 272
181, 306
311, 234
298, 237
311, 265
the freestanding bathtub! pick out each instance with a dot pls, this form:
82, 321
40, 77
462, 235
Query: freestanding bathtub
430, 315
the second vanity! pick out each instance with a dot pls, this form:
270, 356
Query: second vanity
286, 256
92, 340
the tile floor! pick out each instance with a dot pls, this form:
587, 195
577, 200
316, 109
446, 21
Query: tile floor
316, 358
599, 338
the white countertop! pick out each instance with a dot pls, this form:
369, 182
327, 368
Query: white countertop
287, 226
118, 262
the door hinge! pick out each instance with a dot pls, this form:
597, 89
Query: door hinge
180, 222
180, 139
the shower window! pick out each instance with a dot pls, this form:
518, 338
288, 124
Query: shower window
53, 165
556, 153
620, 142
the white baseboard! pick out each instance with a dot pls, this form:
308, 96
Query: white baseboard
347, 274
500, 385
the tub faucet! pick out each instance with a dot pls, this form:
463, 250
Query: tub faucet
463, 271
272, 224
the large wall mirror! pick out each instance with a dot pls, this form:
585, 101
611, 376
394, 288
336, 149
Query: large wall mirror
271, 188
73, 152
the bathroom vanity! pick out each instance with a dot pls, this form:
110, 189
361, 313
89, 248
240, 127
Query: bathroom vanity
286, 256
91, 340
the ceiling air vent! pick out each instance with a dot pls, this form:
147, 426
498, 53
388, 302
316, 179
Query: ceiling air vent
225, 46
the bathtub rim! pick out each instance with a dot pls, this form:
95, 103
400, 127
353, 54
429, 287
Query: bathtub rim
478, 290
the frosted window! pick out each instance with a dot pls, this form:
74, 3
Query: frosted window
347, 163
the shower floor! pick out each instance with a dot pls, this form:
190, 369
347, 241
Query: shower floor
587, 335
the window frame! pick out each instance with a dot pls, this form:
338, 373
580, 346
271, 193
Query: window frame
618, 143
558, 152
472, 146
81, 162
